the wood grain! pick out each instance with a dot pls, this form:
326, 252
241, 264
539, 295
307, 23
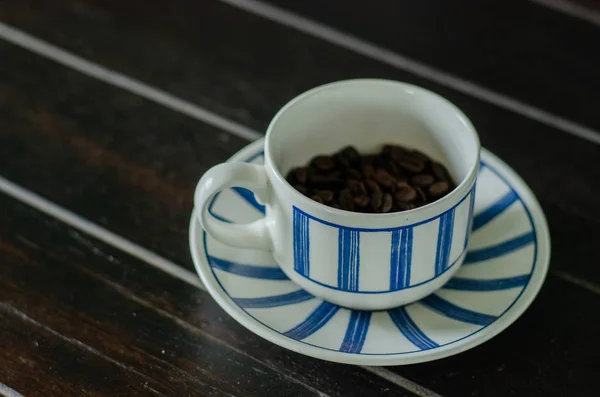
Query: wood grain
136, 317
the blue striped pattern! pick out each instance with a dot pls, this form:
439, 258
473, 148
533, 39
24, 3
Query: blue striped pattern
356, 333
274, 301
501, 249
301, 243
314, 322
485, 216
248, 196
444, 242
410, 330
472, 284
252, 271
443, 307
348, 259
402, 242
470, 220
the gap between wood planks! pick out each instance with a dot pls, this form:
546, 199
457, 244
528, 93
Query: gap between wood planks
10, 310
571, 8
96, 231
161, 97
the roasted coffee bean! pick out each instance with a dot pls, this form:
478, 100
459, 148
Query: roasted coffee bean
394, 151
386, 204
316, 198
328, 181
438, 189
301, 175
324, 163
362, 201
383, 178
392, 168
422, 180
412, 164
405, 194
395, 179
342, 162
351, 154
376, 199
354, 174
367, 170
325, 195
302, 189
346, 201
440, 172
422, 196
420, 155
372, 186
402, 206
357, 188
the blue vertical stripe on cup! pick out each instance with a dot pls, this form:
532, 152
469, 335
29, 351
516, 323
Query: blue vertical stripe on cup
401, 256
348, 259
442, 256
301, 243
356, 333
470, 220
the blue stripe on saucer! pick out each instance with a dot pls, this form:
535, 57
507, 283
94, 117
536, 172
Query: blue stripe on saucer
494, 251
252, 271
274, 301
445, 308
356, 333
471, 284
410, 330
487, 215
314, 322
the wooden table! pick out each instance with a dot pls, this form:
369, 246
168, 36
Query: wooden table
111, 110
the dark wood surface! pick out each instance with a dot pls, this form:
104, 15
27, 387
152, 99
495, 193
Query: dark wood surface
81, 316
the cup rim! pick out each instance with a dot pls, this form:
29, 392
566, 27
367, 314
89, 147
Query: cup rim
460, 189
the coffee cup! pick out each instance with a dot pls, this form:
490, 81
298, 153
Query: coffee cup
357, 260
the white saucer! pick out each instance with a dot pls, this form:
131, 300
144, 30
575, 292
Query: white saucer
505, 267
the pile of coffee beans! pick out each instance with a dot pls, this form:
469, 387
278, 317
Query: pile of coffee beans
396, 179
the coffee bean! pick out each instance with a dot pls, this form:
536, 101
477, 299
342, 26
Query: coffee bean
440, 172
386, 205
346, 201
372, 186
395, 179
367, 170
302, 189
438, 189
328, 181
405, 194
420, 155
325, 195
422, 180
376, 199
301, 175
324, 163
342, 162
351, 154
383, 178
412, 164
354, 174
362, 201
357, 188
402, 206
422, 196
317, 199
392, 168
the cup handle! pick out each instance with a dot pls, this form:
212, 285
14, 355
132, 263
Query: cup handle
224, 176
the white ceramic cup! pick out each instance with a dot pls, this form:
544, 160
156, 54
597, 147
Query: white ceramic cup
361, 261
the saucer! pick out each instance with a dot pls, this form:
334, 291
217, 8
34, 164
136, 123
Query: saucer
505, 266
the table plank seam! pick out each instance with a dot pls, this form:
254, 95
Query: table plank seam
571, 9
12, 311
383, 55
311, 28
126, 83
146, 256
